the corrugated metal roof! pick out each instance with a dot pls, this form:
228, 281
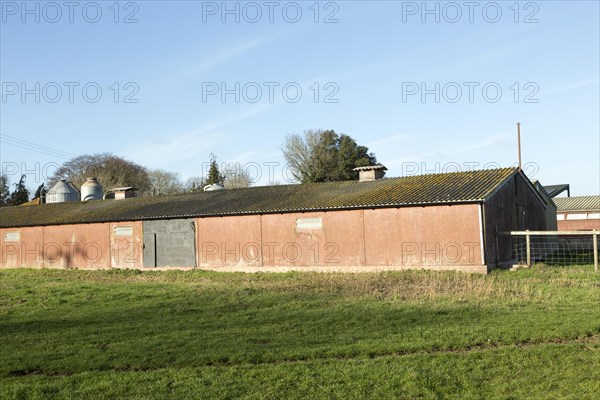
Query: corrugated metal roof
577, 203
63, 186
457, 187
555, 190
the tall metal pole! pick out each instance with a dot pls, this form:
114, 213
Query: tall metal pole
519, 141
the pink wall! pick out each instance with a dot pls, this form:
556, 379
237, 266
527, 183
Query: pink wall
579, 225
72, 246
228, 241
432, 237
423, 236
435, 236
126, 251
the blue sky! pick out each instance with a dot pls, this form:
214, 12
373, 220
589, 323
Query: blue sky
387, 73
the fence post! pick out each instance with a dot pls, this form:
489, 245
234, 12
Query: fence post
528, 244
497, 248
595, 241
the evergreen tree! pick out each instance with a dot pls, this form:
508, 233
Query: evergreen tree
20, 194
4, 191
214, 175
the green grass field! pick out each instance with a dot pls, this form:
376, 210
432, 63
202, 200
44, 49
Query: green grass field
190, 335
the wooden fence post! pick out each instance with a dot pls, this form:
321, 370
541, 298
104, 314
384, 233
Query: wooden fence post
528, 244
595, 240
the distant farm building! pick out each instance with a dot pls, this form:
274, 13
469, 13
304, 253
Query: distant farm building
440, 221
546, 193
579, 213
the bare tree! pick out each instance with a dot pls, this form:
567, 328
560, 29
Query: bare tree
298, 152
110, 170
194, 184
164, 182
321, 156
235, 176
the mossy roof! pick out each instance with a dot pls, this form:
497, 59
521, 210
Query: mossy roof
431, 189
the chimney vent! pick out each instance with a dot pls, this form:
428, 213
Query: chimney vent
370, 173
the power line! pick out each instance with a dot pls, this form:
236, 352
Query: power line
24, 144
37, 151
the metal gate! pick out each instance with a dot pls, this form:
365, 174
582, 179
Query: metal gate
169, 243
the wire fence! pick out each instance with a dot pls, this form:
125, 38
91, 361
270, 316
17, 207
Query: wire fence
555, 248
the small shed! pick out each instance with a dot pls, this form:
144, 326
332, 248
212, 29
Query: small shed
120, 193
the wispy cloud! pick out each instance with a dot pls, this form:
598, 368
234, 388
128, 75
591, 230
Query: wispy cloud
503, 139
31, 123
390, 139
174, 149
231, 53
572, 86
246, 157
209, 62
487, 57
432, 155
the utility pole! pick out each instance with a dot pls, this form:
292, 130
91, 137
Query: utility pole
519, 141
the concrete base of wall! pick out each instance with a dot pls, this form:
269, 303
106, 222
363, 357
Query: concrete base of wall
479, 269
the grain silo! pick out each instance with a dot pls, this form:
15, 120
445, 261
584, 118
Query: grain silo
61, 192
91, 190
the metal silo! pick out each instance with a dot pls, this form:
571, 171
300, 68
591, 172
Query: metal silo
91, 190
62, 192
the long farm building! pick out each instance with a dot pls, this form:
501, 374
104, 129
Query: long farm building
439, 221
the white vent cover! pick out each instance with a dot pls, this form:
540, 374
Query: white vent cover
12, 236
309, 223
123, 231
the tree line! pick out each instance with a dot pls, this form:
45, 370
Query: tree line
313, 156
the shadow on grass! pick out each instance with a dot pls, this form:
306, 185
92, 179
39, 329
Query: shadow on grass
211, 331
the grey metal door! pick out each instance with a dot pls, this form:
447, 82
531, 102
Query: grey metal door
169, 243
149, 250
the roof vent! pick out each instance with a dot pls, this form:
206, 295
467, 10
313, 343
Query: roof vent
214, 186
370, 173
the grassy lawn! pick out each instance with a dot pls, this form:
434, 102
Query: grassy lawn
157, 335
